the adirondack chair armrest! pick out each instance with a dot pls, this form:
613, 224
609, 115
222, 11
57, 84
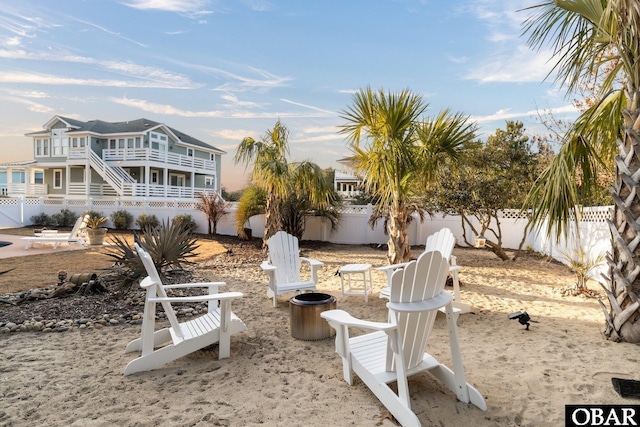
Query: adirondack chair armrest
198, 298
389, 269
195, 285
343, 318
212, 286
267, 267
314, 265
392, 267
311, 261
434, 303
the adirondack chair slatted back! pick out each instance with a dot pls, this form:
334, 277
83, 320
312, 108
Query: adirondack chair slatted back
79, 226
155, 289
284, 254
443, 241
420, 280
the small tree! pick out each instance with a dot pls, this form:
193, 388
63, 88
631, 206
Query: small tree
214, 207
497, 176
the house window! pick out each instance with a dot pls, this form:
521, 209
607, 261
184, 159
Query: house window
42, 147
59, 142
38, 177
154, 177
78, 142
158, 141
190, 152
57, 179
209, 182
176, 180
18, 177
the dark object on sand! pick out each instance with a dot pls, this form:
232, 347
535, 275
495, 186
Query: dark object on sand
522, 317
626, 388
3, 243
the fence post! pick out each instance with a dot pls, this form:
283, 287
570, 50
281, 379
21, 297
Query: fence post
368, 213
21, 199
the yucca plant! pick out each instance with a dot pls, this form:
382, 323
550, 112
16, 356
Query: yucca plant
96, 222
581, 265
170, 247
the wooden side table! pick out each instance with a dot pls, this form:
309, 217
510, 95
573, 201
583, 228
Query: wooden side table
361, 285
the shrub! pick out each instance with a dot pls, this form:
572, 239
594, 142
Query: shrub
122, 219
64, 218
145, 221
41, 219
169, 246
186, 221
93, 214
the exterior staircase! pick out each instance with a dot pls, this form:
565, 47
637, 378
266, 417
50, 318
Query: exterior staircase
117, 177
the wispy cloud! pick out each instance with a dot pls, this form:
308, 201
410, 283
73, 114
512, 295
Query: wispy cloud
171, 110
161, 77
194, 9
48, 79
311, 107
107, 31
264, 81
258, 5
520, 65
233, 102
507, 114
29, 94
509, 59
233, 134
33, 106
457, 59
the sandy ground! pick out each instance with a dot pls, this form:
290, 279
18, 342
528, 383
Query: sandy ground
527, 377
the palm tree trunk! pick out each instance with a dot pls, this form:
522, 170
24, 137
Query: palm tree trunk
271, 218
399, 248
623, 316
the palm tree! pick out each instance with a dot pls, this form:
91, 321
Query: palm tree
597, 39
292, 191
270, 170
396, 153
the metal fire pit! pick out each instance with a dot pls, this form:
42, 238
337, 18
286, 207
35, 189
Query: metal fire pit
306, 323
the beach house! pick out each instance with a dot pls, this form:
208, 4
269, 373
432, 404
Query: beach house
345, 182
98, 159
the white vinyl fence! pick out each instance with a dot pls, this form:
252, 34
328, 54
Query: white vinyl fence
592, 234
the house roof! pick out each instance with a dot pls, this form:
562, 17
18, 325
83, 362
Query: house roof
131, 126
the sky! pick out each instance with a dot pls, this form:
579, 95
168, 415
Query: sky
224, 70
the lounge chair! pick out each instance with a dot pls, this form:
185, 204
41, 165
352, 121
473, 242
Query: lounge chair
396, 350
180, 339
75, 236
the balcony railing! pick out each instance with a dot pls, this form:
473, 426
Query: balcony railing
26, 189
138, 190
148, 154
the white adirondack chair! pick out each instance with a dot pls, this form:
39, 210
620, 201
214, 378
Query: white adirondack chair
443, 241
397, 349
283, 267
181, 338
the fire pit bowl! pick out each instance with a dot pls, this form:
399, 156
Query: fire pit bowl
306, 323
